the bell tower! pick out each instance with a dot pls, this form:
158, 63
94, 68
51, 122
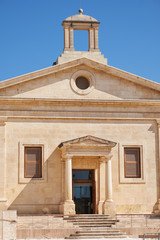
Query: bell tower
85, 23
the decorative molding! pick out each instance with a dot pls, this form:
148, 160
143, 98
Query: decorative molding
122, 178
87, 146
88, 75
31, 143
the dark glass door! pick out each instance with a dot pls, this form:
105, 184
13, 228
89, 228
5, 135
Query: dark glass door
83, 198
83, 191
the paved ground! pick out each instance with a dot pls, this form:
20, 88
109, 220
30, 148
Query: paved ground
90, 239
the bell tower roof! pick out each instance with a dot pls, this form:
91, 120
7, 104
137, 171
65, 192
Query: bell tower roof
80, 18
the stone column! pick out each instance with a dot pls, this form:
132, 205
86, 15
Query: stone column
68, 179
96, 39
109, 206
91, 39
101, 184
71, 42
68, 206
156, 208
2, 167
66, 38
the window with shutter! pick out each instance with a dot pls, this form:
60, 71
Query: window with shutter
132, 163
32, 162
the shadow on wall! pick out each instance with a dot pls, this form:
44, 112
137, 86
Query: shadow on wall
41, 196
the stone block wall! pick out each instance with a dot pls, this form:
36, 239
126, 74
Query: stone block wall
43, 226
8, 225
138, 224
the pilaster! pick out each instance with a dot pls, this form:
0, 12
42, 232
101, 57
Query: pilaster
71, 41
96, 39
66, 38
91, 39
156, 208
2, 167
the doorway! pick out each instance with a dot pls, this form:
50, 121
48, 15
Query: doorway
84, 191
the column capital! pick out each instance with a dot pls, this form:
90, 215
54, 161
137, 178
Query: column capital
67, 157
158, 123
96, 28
66, 27
102, 159
3, 121
105, 158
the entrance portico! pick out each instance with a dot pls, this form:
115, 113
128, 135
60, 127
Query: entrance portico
88, 153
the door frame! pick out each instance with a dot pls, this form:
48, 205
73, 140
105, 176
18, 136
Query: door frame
92, 180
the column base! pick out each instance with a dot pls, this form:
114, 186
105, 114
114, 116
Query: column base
68, 49
68, 208
100, 207
94, 50
109, 208
156, 208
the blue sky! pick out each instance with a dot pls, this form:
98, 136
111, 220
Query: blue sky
31, 35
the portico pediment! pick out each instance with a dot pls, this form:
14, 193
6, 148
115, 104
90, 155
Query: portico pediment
86, 146
87, 140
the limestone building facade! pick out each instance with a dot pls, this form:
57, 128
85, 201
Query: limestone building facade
80, 136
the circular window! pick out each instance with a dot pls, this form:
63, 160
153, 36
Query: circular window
82, 83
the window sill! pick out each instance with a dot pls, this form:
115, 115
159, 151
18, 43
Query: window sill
132, 181
32, 180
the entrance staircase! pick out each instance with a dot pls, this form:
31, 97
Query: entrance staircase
94, 226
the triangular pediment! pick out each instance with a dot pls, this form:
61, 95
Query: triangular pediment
54, 82
87, 140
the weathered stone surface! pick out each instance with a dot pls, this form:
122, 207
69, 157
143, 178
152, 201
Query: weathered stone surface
110, 208
8, 225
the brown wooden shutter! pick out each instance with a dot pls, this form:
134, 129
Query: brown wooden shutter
132, 163
33, 162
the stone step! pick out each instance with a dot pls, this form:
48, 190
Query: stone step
96, 236
91, 225
94, 223
90, 228
94, 226
98, 231
93, 220
88, 217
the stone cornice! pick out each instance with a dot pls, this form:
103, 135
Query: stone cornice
130, 102
79, 109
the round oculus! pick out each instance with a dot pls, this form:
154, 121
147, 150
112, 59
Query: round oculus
82, 83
